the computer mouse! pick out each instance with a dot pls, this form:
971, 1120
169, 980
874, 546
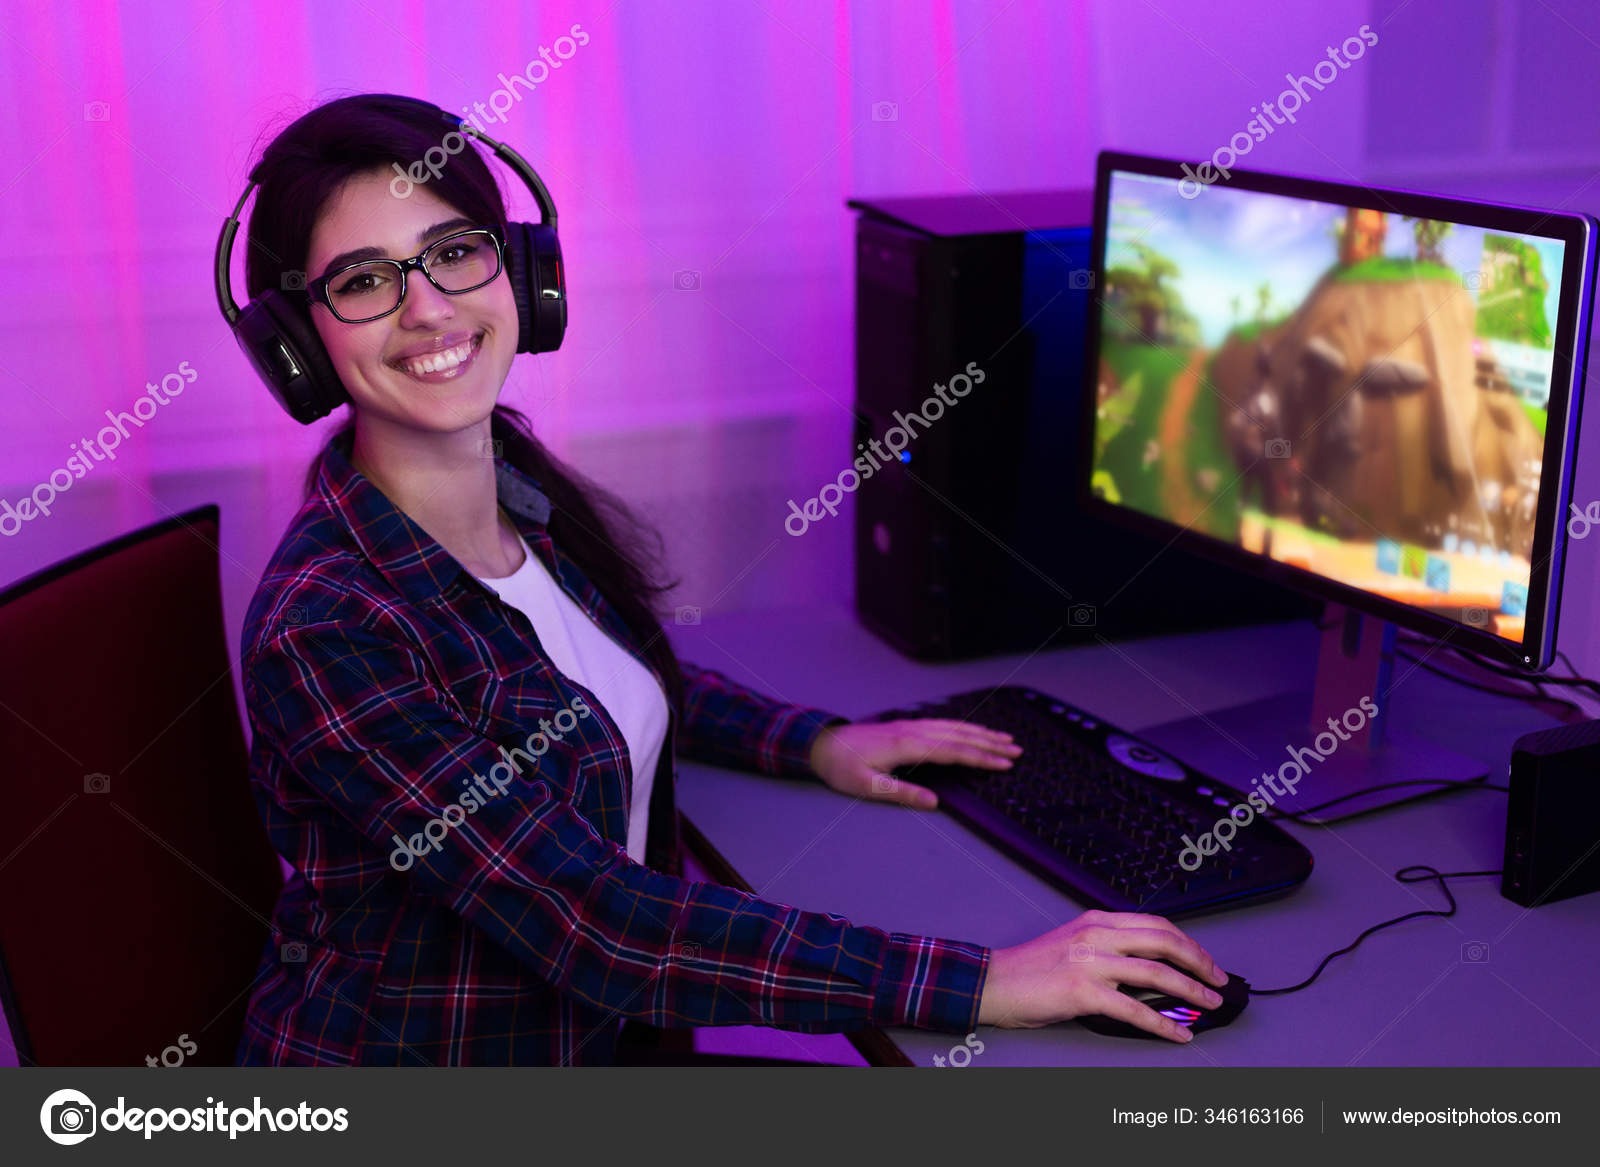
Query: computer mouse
1235, 996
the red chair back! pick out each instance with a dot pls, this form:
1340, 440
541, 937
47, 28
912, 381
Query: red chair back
136, 879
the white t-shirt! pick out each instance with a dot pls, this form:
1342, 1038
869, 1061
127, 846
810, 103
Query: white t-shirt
583, 652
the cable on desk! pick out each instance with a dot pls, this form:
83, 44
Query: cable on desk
1497, 691
1299, 816
1513, 672
1404, 876
1577, 678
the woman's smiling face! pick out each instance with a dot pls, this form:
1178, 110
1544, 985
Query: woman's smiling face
385, 363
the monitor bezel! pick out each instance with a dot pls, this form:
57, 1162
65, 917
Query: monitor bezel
1576, 230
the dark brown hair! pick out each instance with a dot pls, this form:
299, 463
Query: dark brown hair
305, 165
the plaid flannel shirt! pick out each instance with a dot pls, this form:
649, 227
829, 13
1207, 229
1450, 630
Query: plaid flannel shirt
384, 683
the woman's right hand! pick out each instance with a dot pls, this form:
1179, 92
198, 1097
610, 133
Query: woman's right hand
1076, 969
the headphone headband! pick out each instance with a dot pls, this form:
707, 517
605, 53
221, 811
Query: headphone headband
284, 347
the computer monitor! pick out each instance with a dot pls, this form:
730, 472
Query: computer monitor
1371, 395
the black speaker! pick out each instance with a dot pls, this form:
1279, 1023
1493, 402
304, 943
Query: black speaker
967, 538
1553, 816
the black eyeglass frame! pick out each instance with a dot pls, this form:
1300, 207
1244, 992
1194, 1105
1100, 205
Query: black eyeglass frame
317, 289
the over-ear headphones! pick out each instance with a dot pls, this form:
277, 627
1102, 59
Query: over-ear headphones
277, 335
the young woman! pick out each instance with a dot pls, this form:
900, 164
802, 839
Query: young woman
466, 714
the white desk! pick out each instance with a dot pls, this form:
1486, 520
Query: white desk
1406, 997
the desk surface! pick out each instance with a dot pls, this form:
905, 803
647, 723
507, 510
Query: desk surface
1411, 995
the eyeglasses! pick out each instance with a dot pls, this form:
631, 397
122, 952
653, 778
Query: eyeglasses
371, 290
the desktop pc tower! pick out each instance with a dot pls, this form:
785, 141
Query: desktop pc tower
971, 311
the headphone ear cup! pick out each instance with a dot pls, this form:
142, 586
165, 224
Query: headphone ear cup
538, 285
283, 346
524, 286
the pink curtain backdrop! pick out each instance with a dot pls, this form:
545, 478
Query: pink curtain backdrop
719, 139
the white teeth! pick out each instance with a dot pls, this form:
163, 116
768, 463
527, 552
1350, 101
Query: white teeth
438, 362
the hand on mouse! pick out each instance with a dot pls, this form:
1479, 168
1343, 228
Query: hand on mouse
1076, 969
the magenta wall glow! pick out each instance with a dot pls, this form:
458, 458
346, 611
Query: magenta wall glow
700, 152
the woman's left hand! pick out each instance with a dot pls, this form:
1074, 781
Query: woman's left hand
856, 759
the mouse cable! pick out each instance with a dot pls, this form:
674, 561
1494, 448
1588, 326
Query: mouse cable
1299, 816
1404, 876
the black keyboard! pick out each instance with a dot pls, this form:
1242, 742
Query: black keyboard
1102, 814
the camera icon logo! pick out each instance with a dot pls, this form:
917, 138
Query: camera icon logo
293, 953
1081, 615
1477, 617
885, 111
686, 280
1475, 952
882, 784
96, 111
1277, 447
1472, 280
293, 281
687, 614
1081, 953
491, 448
97, 783
1080, 279
689, 950
67, 1117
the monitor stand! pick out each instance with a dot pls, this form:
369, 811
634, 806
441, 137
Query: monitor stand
1261, 745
